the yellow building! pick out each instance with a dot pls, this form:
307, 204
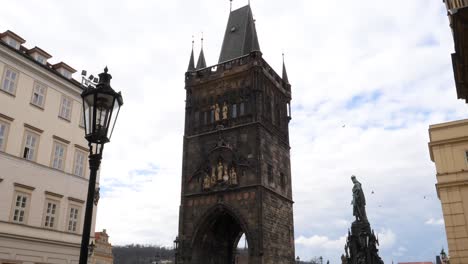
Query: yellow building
43, 157
102, 253
448, 149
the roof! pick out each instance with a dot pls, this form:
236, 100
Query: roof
13, 35
240, 37
40, 51
201, 60
23, 52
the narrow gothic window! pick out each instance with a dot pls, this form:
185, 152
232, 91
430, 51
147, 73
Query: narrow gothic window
212, 116
270, 173
282, 180
242, 109
197, 116
234, 111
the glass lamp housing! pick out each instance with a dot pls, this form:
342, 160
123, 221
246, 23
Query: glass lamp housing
101, 106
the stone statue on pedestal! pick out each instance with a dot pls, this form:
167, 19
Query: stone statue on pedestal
217, 112
359, 201
361, 244
225, 111
220, 170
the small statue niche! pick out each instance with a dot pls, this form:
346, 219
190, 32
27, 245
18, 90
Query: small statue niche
233, 176
206, 182
225, 111
220, 171
217, 112
226, 174
213, 177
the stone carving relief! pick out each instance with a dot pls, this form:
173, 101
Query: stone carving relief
220, 169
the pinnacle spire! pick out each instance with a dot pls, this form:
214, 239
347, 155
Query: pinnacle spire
240, 37
191, 66
285, 74
201, 58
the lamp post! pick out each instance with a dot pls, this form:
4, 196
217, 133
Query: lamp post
176, 249
101, 106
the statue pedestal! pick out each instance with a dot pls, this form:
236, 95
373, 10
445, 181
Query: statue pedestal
361, 245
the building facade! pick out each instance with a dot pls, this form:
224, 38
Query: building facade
448, 148
102, 253
236, 171
43, 157
457, 11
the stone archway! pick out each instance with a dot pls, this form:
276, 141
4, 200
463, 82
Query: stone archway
216, 239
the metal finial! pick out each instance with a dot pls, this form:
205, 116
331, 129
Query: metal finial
202, 40
106, 69
231, 6
193, 41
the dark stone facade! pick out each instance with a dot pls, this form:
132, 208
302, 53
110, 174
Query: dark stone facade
236, 172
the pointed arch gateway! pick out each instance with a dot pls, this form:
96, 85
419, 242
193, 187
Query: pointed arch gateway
216, 237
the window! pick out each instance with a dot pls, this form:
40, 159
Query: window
10, 78
73, 219
81, 124
58, 159
3, 135
30, 145
196, 119
282, 180
40, 59
12, 43
270, 174
205, 118
67, 74
78, 168
212, 116
50, 214
242, 109
234, 111
65, 108
38, 95
20, 207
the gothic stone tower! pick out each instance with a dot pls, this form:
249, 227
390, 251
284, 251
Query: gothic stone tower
236, 172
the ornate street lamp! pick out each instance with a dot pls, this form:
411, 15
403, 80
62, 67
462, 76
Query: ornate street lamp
101, 106
176, 249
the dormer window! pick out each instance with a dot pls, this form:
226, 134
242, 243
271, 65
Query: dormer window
65, 70
39, 55
11, 39
65, 73
12, 43
40, 59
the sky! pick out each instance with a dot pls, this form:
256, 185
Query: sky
368, 78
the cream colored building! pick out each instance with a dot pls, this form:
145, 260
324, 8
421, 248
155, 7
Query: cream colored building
103, 249
43, 157
448, 149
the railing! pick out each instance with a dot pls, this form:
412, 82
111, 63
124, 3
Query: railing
218, 69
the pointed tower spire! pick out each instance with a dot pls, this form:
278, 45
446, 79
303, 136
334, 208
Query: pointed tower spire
240, 37
191, 65
285, 74
201, 58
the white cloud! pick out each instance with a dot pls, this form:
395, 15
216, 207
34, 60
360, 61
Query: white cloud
400, 251
322, 242
433, 221
387, 238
